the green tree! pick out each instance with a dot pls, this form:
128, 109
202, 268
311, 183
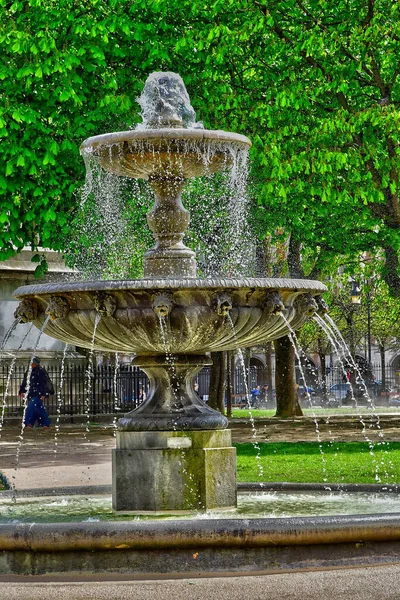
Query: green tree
316, 86
68, 70
385, 322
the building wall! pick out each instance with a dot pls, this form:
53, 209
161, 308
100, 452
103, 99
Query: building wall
16, 272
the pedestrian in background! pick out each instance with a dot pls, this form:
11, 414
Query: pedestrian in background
38, 390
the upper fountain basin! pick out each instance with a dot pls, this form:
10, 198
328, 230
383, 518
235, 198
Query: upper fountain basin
197, 315
146, 153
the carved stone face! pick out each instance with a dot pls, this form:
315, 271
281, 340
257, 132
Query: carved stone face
306, 305
57, 308
223, 304
162, 304
105, 304
273, 303
27, 311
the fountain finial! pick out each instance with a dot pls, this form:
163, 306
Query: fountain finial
166, 103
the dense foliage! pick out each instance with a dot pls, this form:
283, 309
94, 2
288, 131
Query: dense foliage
315, 84
68, 70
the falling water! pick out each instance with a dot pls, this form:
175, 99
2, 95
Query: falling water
348, 355
8, 335
189, 482
248, 399
26, 401
10, 372
295, 343
116, 400
59, 400
359, 380
170, 361
89, 374
89, 388
339, 351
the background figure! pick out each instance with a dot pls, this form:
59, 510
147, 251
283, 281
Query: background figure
37, 392
255, 396
196, 390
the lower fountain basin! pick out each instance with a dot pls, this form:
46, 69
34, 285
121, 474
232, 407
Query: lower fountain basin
197, 315
251, 505
140, 547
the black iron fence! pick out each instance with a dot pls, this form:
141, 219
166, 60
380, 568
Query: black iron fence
104, 390
108, 391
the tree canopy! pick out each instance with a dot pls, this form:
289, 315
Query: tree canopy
315, 85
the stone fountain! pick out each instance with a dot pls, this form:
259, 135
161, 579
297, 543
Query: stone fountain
173, 453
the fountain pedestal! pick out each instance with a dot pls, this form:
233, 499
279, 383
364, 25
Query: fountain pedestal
173, 471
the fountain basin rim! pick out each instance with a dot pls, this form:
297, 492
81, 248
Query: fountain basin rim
242, 487
169, 134
279, 284
198, 533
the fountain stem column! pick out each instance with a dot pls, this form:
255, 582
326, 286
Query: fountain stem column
168, 220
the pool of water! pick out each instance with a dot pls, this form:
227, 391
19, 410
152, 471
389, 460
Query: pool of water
251, 505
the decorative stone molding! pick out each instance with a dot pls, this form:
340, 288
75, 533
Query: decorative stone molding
222, 304
273, 303
162, 304
27, 310
323, 308
105, 304
58, 308
305, 305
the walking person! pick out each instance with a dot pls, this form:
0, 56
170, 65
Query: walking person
38, 390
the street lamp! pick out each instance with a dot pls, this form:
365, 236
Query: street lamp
355, 293
356, 299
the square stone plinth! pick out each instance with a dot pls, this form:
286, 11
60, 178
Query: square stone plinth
160, 471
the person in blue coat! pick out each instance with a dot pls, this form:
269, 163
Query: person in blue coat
37, 392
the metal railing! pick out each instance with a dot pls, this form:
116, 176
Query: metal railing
76, 391
107, 392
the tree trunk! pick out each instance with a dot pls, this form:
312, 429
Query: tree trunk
228, 384
287, 400
391, 271
268, 368
382, 352
217, 381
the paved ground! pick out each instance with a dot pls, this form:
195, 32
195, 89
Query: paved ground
374, 583
75, 457
43, 459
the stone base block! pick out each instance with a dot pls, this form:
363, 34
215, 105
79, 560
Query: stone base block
172, 471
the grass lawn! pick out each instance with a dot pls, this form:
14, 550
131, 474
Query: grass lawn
257, 413
311, 462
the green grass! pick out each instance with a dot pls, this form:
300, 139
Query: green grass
257, 413
311, 462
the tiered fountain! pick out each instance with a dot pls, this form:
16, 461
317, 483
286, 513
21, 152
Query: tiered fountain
173, 452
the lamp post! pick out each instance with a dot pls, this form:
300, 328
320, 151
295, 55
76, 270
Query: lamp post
356, 299
355, 293
369, 324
